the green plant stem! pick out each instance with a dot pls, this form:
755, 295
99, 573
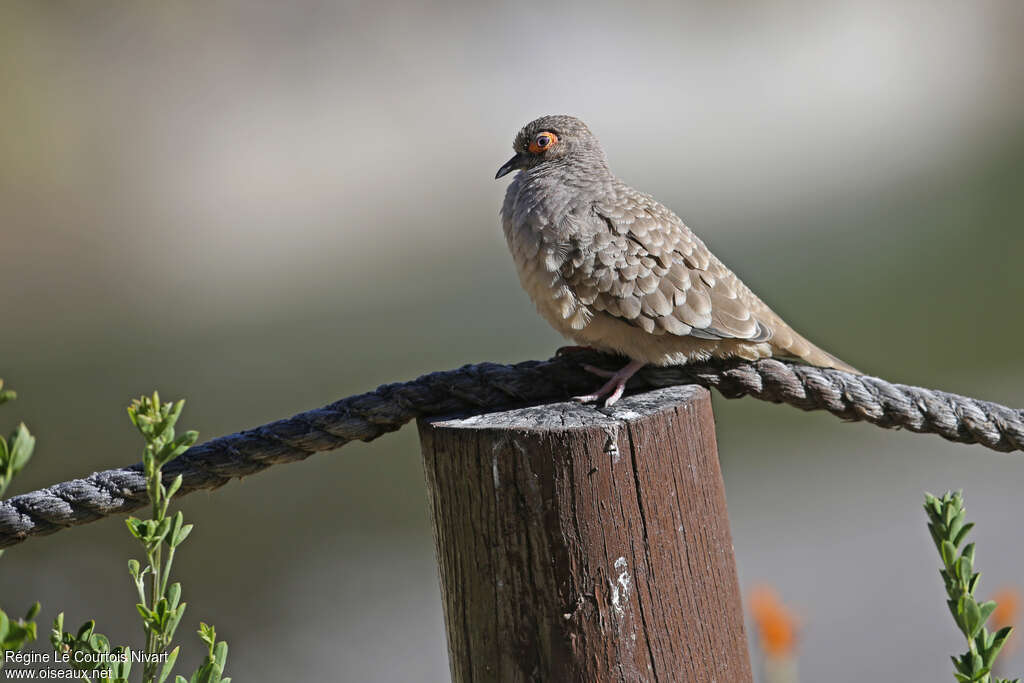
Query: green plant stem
167, 571
155, 640
949, 529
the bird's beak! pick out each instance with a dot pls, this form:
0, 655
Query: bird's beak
515, 163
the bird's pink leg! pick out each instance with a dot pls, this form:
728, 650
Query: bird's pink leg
614, 387
600, 372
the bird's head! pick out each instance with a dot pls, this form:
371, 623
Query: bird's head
553, 140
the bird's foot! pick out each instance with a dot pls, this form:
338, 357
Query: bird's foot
615, 385
569, 350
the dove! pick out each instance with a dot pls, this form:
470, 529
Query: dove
612, 269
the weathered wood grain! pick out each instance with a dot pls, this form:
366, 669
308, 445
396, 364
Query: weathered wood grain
577, 543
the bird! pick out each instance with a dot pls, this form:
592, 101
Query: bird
614, 270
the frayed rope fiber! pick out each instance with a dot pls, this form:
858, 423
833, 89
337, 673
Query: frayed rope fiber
487, 387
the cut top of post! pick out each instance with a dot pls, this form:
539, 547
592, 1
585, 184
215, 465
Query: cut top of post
571, 414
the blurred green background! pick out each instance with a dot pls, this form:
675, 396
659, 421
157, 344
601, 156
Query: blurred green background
263, 207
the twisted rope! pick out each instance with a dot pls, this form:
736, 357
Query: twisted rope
487, 387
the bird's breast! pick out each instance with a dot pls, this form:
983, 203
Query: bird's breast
540, 243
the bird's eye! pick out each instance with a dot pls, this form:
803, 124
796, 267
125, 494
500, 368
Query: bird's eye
543, 142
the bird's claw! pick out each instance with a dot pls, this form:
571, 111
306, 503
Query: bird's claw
615, 385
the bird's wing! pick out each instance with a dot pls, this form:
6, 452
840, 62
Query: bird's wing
641, 264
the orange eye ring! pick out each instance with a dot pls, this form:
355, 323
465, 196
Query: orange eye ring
544, 141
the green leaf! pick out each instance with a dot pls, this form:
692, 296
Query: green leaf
207, 634
947, 514
175, 485
954, 527
176, 523
57, 631
957, 611
22, 445
174, 594
99, 643
175, 619
160, 530
168, 666
176, 447
86, 629
998, 640
1002, 634
948, 552
181, 535
121, 669
220, 655
136, 526
962, 534
964, 567
161, 612
972, 616
986, 609
209, 673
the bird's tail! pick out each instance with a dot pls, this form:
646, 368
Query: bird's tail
802, 350
787, 343
824, 359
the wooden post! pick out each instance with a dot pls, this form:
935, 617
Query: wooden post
577, 543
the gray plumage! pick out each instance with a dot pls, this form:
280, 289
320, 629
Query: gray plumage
611, 268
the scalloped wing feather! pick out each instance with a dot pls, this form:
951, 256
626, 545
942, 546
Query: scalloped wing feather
635, 260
